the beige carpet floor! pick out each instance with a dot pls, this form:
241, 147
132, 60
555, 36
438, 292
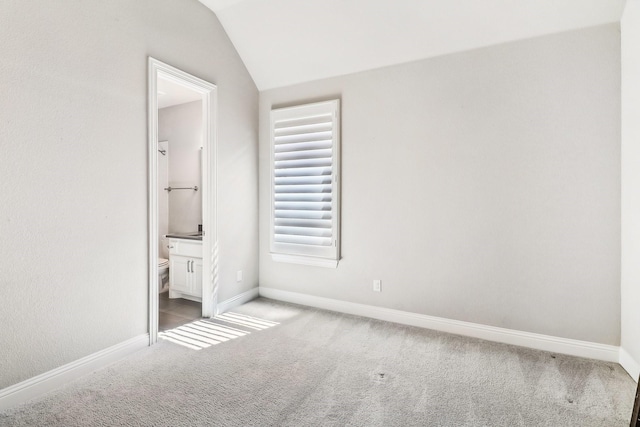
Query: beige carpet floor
274, 364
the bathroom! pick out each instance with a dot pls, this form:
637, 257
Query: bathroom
179, 204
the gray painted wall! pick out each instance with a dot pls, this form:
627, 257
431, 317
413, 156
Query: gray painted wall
73, 169
482, 186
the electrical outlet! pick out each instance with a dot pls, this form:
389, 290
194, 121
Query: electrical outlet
377, 286
239, 276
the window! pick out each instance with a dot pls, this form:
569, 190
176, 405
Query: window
305, 192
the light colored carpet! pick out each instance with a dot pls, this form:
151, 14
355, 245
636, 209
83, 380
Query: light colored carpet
306, 367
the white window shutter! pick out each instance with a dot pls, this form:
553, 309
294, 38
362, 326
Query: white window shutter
305, 215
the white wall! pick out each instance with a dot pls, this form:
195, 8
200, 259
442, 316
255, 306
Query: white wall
630, 283
163, 199
482, 186
181, 126
73, 169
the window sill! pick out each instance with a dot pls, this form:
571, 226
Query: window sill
305, 260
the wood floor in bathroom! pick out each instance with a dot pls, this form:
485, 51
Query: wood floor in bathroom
176, 312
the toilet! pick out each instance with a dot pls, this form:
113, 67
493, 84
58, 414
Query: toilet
163, 275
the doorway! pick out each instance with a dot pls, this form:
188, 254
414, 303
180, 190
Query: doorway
166, 82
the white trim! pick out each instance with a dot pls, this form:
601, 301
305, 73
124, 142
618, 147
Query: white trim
240, 299
208, 91
152, 199
305, 260
629, 364
549, 343
210, 200
30, 389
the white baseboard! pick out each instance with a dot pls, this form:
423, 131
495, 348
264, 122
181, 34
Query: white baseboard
240, 299
549, 343
629, 364
33, 387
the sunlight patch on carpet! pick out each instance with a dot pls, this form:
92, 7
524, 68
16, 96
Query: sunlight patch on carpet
204, 333
246, 321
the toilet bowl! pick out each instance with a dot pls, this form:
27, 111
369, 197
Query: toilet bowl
163, 274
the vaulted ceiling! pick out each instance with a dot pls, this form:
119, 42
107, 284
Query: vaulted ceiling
283, 42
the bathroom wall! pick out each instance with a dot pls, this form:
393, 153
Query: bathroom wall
181, 126
74, 168
163, 199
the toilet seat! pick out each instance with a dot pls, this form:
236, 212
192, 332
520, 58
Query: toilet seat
163, 275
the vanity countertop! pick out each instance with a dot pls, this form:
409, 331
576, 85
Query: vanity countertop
188, 236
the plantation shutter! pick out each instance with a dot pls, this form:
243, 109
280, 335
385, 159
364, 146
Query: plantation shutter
305, 190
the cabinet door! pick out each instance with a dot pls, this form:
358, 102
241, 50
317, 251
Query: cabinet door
197, 277
179, 277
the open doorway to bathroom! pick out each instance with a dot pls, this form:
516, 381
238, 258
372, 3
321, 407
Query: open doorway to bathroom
182, 202
179, 204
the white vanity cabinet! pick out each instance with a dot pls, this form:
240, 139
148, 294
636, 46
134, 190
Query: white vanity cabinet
185, 269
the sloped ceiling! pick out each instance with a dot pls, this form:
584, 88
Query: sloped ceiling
283, 42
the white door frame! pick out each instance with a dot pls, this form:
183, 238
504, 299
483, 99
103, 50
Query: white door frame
208, 91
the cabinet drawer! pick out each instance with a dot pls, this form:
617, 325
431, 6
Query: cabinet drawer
188, 248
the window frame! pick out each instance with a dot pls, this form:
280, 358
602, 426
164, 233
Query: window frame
298, 253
